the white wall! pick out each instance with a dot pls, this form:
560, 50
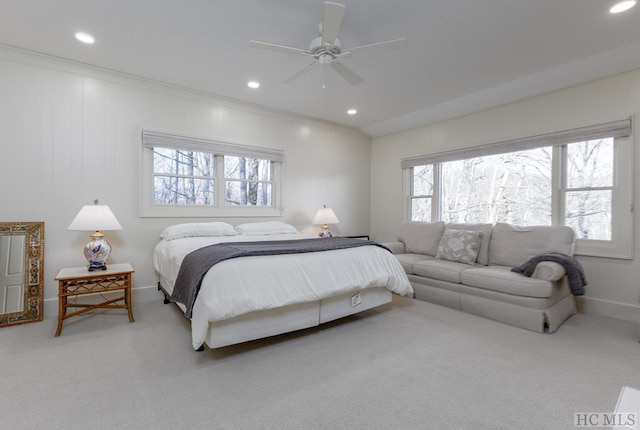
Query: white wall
614, 285
70, 134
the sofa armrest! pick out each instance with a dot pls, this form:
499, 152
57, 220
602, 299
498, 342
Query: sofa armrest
548, 271
396, 247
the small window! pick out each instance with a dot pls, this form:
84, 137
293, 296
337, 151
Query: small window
589, 188
248, 181
183, 177
421, 193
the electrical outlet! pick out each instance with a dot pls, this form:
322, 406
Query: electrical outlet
356, 300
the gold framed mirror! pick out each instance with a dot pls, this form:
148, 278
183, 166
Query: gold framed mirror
21, 272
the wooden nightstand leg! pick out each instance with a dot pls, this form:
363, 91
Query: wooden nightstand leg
62, 310
59, 327
127, 300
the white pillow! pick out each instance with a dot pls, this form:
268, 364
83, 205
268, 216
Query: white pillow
459, 245
198, 229
265, 228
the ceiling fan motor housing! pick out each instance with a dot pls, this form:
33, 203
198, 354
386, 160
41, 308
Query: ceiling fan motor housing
317, 48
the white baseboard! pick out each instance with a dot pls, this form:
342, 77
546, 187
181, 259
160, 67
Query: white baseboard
606, 308
146, 294
138, 295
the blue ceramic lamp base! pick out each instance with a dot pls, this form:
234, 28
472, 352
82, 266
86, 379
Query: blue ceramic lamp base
97, 252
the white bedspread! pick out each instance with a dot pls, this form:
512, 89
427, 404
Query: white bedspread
242, 285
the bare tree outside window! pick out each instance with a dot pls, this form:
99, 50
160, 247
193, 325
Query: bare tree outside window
183, 177
188, 178
422, 193
248, 181
516, 188
589, 188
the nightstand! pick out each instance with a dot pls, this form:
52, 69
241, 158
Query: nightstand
78, 281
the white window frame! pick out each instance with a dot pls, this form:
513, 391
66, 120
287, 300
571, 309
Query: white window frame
622, 228
621, 244
148, 208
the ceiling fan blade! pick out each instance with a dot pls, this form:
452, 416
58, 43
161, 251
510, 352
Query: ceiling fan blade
333, 13
299, 73
276, 47
375, 48
351, 76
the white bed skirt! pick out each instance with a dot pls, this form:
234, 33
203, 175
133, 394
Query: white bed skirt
271, 322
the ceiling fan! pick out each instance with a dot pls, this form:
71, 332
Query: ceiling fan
326, 49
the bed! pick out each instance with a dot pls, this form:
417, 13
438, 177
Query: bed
251, 297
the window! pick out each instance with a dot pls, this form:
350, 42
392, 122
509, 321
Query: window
189, 177
183, 177
588, 188
514, 187
585, 184
247, 181
422, 192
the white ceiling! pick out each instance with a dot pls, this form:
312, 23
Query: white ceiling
463, 55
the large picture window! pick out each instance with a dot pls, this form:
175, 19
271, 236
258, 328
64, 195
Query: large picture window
514, 187
196, 177
585, 184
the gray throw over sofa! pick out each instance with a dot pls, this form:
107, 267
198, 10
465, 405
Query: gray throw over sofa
468, 267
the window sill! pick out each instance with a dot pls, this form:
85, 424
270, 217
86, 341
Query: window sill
603, 250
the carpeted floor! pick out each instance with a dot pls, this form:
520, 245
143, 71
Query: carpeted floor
410, 365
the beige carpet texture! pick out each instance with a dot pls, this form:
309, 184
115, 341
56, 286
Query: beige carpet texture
406, 365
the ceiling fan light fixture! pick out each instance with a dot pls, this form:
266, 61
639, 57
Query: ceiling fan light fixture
325, 59
622, 6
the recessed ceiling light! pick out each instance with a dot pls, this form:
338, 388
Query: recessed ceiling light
352, 111
622, 6
253, 84
85, 38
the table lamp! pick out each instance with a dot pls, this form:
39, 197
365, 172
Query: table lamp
95, 218
325, 216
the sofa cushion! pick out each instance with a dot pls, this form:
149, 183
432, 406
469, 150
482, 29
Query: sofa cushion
502, 279
485, 229
459, 245
440, 269
421, 237
512, 245
407, 261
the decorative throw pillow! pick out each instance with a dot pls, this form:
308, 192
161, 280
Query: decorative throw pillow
459, 245
198, 229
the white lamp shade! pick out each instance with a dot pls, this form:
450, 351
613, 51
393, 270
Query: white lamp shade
95, 218
325, 216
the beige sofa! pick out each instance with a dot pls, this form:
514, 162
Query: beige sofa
437, 258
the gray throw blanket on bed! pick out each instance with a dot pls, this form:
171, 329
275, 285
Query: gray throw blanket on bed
575, 272
197, 263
